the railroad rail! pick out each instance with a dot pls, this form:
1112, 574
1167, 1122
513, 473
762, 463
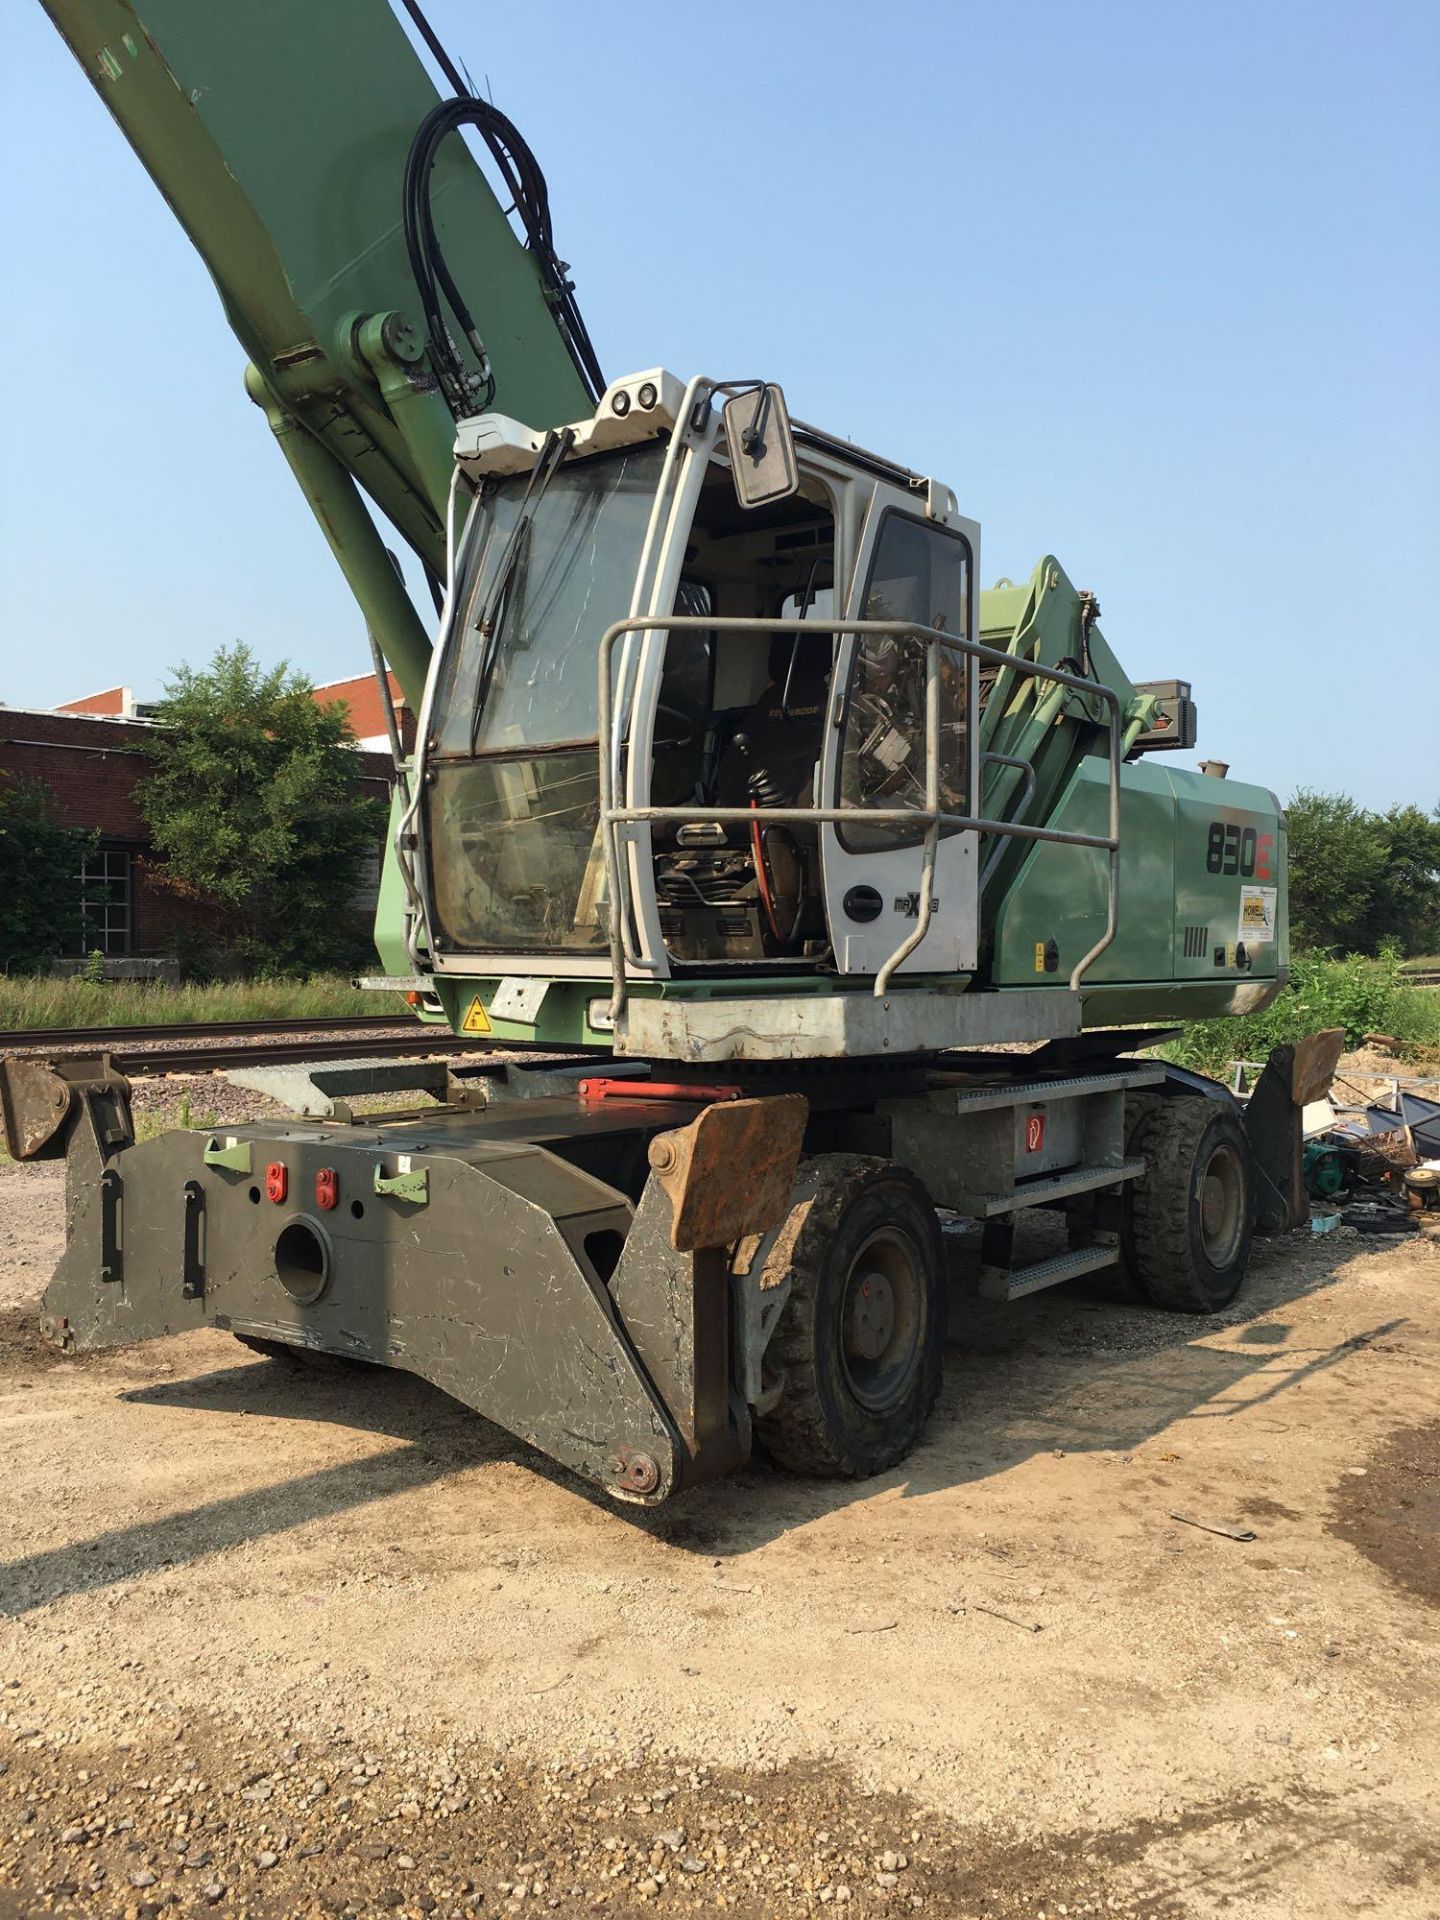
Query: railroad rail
199, 1030
275, 1043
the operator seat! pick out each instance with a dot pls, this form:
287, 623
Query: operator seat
771, 755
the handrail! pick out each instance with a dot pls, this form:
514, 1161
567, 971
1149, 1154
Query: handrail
931, 816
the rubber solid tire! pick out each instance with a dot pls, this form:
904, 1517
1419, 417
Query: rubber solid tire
819, 1427
1164, 1243
1116, 1284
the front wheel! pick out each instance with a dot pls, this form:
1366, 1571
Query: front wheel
861, 1338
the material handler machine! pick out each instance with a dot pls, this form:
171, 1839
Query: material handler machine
828, 892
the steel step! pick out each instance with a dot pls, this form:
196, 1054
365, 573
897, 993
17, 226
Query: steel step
985, 1206
997, 1284
962, 1099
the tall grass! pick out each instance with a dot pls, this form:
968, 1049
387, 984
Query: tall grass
1362, 996
41, 1003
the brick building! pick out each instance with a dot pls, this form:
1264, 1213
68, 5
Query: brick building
90, 755
361, 695
367, 716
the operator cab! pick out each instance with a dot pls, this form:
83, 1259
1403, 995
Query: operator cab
749, 697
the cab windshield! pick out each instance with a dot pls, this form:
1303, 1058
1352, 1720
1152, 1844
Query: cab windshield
513, 802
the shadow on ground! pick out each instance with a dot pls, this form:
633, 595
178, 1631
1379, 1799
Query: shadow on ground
1056, 1371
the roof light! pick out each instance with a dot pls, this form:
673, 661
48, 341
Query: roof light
621, 403
648, 395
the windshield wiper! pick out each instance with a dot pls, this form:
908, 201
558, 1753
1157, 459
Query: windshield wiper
491, 620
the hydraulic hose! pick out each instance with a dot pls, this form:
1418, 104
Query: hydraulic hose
470, 390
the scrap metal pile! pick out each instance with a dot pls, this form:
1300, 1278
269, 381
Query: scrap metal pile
1371, 1153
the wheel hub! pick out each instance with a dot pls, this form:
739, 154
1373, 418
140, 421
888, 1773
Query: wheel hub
1222, 1205
882, 1318
869, 1314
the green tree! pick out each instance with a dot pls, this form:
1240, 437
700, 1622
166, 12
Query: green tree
1405, 906
1335, 855
254, 807
1360, 880
40, 863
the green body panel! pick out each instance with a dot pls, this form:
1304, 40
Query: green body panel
561, 1022
278, 133
1176, 915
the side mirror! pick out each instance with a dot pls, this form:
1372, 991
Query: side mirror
762, 447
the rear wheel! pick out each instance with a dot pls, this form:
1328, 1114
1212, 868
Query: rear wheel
861, 1338
1191, 1214
1089, 1212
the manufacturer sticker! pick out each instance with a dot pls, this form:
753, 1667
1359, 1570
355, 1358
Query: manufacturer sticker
476, 1019
1257, 915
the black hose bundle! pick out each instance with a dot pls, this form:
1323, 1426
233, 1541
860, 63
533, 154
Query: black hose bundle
468, 390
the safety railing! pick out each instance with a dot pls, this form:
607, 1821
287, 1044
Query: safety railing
932, 817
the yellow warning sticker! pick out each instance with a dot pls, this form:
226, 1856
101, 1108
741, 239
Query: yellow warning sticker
1039, 956
476, 1019
1257, 915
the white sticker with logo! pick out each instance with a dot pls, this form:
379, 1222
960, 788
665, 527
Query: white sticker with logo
1257, 915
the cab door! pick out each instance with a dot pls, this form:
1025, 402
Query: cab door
914, 568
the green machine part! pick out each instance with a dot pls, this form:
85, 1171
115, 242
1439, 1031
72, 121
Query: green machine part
1322, 1169
1193, 940
278, 132
1202, 923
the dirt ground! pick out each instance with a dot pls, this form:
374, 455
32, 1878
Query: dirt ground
275, 1643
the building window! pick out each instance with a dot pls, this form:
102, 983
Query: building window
105, 901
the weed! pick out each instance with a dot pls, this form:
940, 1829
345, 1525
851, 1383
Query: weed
81, 1002
1361, 995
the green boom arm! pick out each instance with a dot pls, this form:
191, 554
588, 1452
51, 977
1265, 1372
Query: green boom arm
278, 132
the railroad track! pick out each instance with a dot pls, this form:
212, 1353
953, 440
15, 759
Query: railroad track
1429, 978
71, 1037
255, 1042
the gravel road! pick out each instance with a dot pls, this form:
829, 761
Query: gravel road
277, 1643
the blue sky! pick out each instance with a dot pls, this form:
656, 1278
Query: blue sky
1153, 287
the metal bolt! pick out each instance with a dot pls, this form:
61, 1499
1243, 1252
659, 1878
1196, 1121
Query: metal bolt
662, 1154
638, 1472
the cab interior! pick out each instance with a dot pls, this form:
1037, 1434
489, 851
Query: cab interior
740, 723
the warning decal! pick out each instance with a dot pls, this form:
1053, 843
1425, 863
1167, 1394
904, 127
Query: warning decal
1257, 915
476, 1019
